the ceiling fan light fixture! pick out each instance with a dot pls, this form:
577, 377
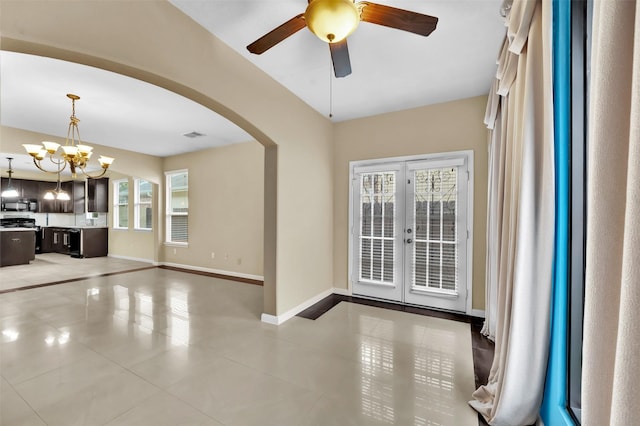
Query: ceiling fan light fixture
332, 20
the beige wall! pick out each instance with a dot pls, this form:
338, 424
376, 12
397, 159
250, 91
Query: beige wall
133, 243
226, 200
452, 126
138, 39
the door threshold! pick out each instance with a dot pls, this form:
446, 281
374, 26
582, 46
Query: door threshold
316, 311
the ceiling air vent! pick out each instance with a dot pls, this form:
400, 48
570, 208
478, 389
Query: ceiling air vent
194, 134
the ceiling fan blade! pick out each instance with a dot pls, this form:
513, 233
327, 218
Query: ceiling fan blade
276, 35
340, 58
398, 18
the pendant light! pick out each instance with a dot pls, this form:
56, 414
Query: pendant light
10, 192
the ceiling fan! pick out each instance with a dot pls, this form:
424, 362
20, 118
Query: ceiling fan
333, 20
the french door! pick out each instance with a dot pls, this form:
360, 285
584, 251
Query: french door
410, 232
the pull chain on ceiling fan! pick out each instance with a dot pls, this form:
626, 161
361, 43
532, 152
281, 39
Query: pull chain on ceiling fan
334, 20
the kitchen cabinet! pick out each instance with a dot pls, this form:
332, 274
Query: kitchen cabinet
97, 195
95, 242
27, 189
46, 244
91, 195
79, 199
45, 206
79, 242
15, 184
30, 189
75, 204
61, 241
17, 247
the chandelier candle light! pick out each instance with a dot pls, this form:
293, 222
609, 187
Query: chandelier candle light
74, 153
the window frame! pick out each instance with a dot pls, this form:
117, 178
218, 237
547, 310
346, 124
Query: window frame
137, 204
581, 31
117, 204
168, 212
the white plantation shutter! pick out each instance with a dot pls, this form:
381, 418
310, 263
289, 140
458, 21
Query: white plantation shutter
377, 227
434, 262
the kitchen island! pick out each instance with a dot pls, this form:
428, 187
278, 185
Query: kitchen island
17, 246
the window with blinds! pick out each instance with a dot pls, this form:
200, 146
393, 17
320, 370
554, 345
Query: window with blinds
177, 206
377, 226
435, 252
121, 204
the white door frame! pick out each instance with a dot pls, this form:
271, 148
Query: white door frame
444, 155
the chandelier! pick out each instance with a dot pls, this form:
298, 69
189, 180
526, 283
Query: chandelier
73, 153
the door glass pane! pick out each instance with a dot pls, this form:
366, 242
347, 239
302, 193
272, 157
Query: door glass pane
377, 228
435, 248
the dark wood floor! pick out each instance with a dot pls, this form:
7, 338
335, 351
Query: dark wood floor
482, 347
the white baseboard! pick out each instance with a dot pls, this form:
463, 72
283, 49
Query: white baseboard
279, 319
342, 291
213, 271
136, 259
477, 313
269, 319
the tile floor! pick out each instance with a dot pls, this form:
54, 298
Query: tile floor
54, 267
160, 347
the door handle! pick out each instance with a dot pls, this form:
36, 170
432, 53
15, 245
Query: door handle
409, 240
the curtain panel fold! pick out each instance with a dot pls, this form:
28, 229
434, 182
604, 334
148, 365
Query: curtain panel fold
611, 345
521, 214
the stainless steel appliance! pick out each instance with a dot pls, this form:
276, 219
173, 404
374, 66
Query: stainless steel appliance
75, 242
22, 205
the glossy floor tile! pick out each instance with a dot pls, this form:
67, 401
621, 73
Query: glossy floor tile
163, 347
54, 267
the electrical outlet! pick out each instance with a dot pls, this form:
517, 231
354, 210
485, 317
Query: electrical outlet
226, 256
239, 261
213, 254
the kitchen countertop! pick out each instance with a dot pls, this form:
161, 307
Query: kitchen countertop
16, 229
76, 227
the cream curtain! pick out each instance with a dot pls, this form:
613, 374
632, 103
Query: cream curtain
521, 210
611, 347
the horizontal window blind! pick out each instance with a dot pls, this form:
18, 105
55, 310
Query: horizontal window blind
377, 226
177, 206
179, 228
435, 252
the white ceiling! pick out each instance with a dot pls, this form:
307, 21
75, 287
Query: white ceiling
392, 70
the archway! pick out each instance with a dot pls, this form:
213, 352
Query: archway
146, 40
